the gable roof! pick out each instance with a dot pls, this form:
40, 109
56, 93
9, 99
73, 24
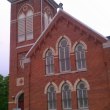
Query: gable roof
70, 18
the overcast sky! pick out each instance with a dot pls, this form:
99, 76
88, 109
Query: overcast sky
4, 36
94, 13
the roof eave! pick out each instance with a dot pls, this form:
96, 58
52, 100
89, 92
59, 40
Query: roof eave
53, 3
15, 1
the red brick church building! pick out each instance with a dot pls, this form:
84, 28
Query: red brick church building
56, 62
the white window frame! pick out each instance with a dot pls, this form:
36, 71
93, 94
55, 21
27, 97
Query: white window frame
68, 108
83, 98
65, 59
52, 98
50, 66
80, 53
27, 26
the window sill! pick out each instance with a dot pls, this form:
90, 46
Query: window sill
83, 109
67, 109
52, 74
67, 72
51, 109
83, 69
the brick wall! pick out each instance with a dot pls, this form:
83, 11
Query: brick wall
95, 75
35, 78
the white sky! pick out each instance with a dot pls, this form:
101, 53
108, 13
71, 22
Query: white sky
94, 13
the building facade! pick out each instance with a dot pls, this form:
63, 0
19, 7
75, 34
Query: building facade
56, 62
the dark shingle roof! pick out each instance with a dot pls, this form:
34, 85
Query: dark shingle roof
52, 2
13, 1
108, 37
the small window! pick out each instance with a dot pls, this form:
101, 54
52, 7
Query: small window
51, 98
82, 96
64, 55
66, 97
49, 62
80, 57
47, 19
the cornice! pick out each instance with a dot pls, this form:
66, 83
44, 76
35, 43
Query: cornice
15, 1
107, 44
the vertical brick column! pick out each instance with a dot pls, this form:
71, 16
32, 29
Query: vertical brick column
74, 100
59, 101
27, 77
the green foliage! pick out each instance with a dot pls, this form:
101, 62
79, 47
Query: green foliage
4, 92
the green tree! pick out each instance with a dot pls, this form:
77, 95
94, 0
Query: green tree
4, 92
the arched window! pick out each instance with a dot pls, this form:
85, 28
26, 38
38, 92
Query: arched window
80, 57
51, 98
82, 96
47, 17
29, 25
21, 102
66, 97
21, 27
64, 55
49, 62
45, 20
25, 24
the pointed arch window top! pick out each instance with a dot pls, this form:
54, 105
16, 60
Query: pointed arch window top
21, 16
26, 8
51, 88
63, 43
49, 53
79, 47
81, 85
29, 13
65, 87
